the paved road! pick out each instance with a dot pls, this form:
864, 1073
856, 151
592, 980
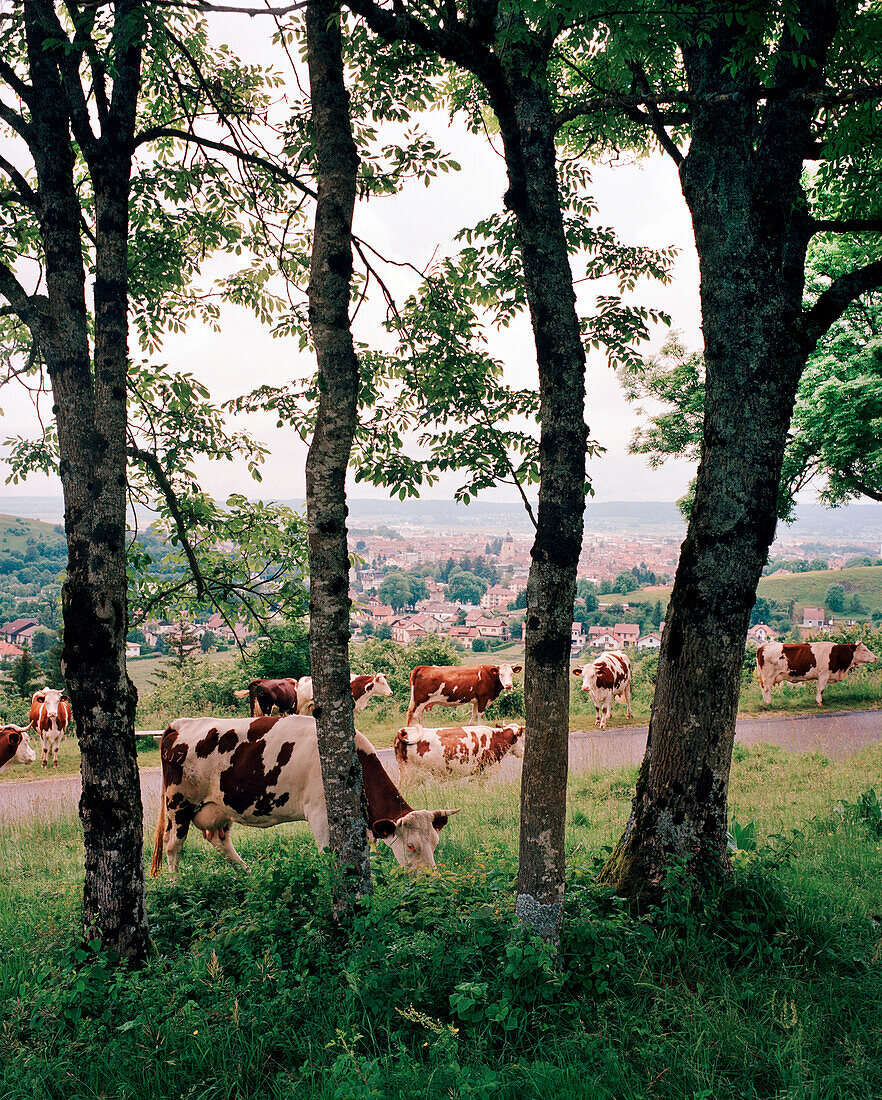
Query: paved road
835, 734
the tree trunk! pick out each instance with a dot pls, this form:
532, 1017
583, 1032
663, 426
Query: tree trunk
329, 289
745, 198
90, 412
525, 117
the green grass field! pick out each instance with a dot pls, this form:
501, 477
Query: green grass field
808, 589
768, 988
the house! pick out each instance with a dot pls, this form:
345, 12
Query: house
627, 633
601, 638
405, 631
19, 631
813, 617
133, 649
761, 633
7, 649
652, 640
498, 596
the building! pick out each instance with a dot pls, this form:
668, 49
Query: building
813, 617
652, 640
498, 597
760, 634
19, 631
627, 633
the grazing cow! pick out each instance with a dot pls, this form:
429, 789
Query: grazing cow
608, 677
451, 686
364, 688
799, 662
263, 695
50, 715
15, 747
454, 751
264, 771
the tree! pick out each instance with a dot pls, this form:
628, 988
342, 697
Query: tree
856, 605
507, 59
394, 589
182, 643
624, 583
88, 375
207, 641
466, 588
24, 672
739, 99
835, 598
338, 382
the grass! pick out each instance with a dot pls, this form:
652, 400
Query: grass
771, 987
807, 589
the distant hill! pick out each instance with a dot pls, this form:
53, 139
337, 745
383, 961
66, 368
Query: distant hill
855, 521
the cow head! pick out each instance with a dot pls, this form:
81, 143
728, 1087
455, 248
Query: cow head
414, 837
506, 675
517, 735
378, 686
50, 698
18, 738
862, 655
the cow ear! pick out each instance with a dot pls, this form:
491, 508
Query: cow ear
441, 817
383, 828
14, 737
516, 668
577, 671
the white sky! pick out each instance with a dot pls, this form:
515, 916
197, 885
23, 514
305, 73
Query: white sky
644, 204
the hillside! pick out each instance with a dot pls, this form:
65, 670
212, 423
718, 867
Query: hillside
808, 589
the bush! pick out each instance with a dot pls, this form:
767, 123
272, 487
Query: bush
397, 662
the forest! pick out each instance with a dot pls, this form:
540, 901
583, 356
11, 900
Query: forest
150, 175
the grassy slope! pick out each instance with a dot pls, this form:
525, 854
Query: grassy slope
808, 589
776, 993
14, 533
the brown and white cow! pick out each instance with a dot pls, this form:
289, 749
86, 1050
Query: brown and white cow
265, 771
606, 678
799, 662
452, 685
263, 695
454, 751
50, 715
15, 747
364, 688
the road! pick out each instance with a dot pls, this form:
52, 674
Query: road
837, 734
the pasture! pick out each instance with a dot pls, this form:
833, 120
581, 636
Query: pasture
769, 988
205, 687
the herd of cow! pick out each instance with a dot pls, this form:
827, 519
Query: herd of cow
265, 769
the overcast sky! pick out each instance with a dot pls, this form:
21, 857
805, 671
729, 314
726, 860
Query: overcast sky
642, 201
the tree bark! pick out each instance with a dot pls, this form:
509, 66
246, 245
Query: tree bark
90, 409
526, 122
741, 181
329, 290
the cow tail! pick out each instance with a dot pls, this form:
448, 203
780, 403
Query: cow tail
156, 865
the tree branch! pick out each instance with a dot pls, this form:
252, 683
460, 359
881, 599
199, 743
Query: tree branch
148, 459
834, 301
26, 194
846, 225
655, 118
154, 132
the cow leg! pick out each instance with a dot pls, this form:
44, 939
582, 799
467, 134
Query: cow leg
627, 694
823, 678
178, 816
44, 751
767, 692
317, 815
223, 841
477, 714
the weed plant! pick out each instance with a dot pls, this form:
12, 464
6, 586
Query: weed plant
766, 987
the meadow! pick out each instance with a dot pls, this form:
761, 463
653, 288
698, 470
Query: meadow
768, 987
205, 686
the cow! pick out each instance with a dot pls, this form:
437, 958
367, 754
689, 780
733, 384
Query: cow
15, 747
451, 686
606, 678
263, 695
455, 751
49, 717
364, 688
799, 662
265, 771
